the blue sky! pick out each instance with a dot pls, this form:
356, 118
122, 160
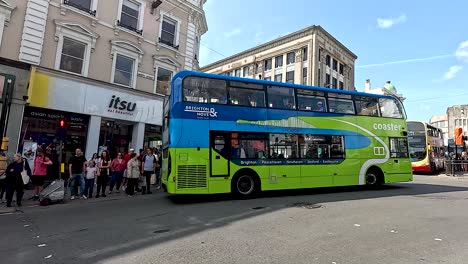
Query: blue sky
421, 46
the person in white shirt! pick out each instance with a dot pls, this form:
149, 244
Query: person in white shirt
90, 175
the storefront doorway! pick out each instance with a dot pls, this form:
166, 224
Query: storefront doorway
115, 136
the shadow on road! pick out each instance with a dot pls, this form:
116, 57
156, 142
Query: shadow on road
162, 218
197, 213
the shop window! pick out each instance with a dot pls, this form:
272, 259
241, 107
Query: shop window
367, 106
244, 94
205, 90
281, 97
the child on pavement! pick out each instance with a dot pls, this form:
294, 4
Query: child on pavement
91, 172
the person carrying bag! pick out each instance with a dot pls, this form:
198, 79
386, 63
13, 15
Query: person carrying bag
18, 174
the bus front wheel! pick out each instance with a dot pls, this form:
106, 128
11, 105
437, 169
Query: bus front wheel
244, 186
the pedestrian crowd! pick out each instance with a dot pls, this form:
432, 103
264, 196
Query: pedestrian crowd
131, 173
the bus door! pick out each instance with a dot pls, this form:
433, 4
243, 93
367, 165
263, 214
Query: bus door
219, 150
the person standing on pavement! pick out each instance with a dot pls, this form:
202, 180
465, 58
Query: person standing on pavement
103, 175
133, 174
40, 172
117, 168
14, 180
126, 159
76, 168
91, 173
149, 163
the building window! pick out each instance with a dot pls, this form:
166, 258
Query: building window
268, 64
75, 44
334, 83
73, 56
228, 73
328, 60
256, 68
237, 72
290, 77
163, 80
290, 58
341, 68
246, 71
341, 85
320, 55
168, 32
126, 58
327, 80
87, 6
130, 16
123, 71
319, 78
304, 75
279, 77
267, 79
304, 54
279, 61
335, 65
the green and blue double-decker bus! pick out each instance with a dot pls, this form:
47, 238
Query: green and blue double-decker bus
225, 134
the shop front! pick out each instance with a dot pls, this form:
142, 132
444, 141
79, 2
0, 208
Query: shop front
100, 116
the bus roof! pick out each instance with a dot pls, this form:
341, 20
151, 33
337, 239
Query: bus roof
183, 74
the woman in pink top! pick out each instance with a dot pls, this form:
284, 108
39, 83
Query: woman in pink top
117, 167
39, 172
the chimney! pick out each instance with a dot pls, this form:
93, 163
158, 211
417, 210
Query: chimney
367, 86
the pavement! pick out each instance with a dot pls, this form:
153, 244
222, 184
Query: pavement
419, 222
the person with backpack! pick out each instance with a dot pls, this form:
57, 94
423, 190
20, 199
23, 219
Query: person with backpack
149, 163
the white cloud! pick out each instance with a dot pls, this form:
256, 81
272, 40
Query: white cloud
390, 22
462, 51
452, 72
233, 32
405, 61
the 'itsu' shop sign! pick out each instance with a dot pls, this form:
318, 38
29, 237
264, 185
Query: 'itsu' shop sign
119, 106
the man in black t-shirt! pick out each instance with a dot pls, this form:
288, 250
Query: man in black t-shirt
76, 168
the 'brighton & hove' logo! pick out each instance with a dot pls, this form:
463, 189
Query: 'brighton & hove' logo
202, 112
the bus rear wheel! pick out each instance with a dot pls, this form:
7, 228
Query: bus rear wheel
244, 186
373, 178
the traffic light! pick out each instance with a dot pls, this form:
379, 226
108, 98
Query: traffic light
61, 132
458, 135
